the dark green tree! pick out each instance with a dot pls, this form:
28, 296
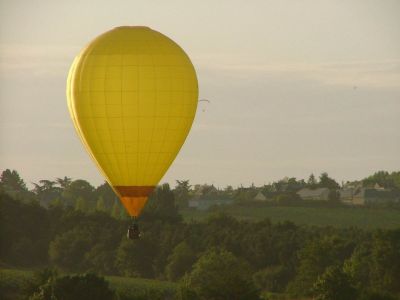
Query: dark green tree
105, 192
312, 182
64, 183
272, 279
334, 284
81, 204
116, 210
101, 205
86, 286
161, 206
182, 193
218, 274
24, 232
79, 188
12, 184
327, 182
315, 257
46, 192
67, 251
180, 261
136, 258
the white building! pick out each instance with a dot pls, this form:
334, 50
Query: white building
260, 197
314, 194
204, 204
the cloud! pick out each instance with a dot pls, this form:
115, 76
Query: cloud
371, 74
37, 60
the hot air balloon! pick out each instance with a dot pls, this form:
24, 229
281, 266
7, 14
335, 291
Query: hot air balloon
132, 95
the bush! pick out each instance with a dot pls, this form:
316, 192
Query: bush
218, 274
180, 261
272, 279
87, 286
334, 284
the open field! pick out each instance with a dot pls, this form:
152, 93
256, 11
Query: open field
14, 283
367, 218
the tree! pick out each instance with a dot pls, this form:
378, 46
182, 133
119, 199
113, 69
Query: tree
81, 204
385, 262
180, 261
86, 286
116, 210
182, 193
272, 279
135, 259
10, 180
218, 274
101, 205
312, 182
65, 182
315, 257
327, 182
12, 184
106, 192
67, 251
375, 263
161, 206
24, 232
383, 178
46, 191
79, 188
334, 284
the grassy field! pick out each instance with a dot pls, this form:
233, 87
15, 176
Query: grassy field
368, 218
14, 283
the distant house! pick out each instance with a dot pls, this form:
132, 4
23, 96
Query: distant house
358, 195
260, 197
204, 204
314, 194
362, 195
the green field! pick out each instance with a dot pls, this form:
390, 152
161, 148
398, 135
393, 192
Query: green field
367, 218
14, 283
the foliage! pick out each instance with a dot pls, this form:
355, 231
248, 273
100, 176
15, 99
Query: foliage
327, 182
334, 284
16, 284
273, 278
161, 206
375, 262
218, 274
274, 255
72, 287
142, 289
23, 240
182, 193
384, 179
316, 256
12, 184
135, 258
180, 261
68, 250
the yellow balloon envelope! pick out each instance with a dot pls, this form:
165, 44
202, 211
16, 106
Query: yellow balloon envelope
132, 95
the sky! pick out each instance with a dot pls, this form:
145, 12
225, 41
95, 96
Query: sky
295, 87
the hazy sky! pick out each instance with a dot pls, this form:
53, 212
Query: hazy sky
295, 86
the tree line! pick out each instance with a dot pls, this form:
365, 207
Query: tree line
82, 196
220, 258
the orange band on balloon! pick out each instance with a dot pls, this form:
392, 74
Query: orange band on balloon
133, 191
133, 197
